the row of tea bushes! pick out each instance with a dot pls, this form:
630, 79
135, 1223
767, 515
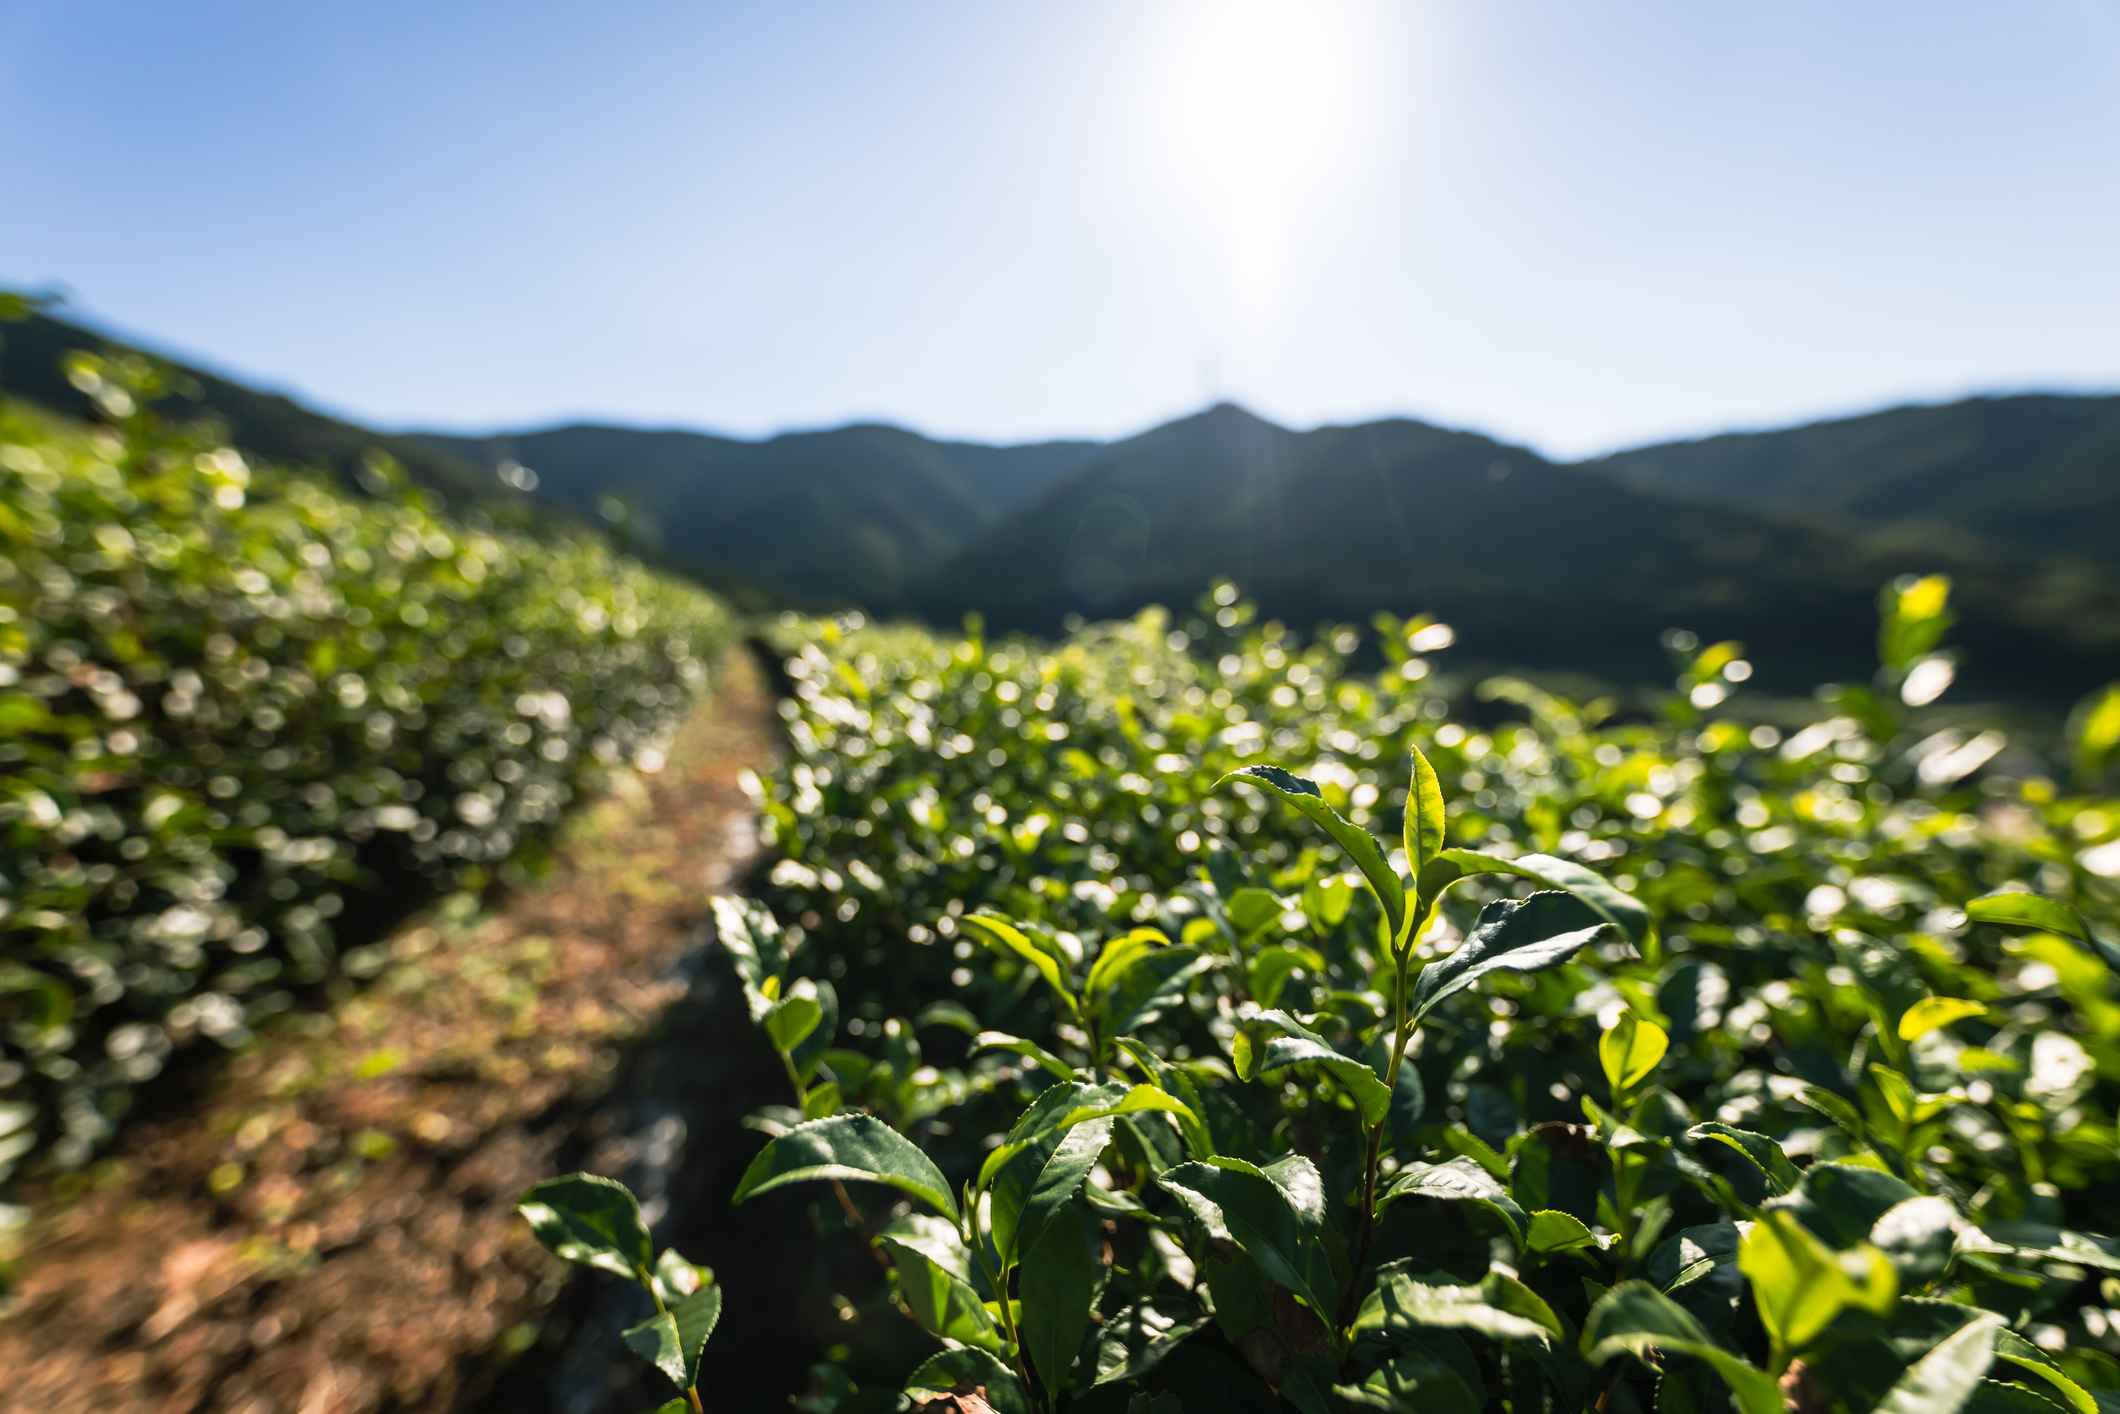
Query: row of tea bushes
241, 711
1806, 865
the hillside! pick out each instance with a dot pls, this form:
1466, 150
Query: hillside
846, 515
1535, 564
2035, 474
268, 425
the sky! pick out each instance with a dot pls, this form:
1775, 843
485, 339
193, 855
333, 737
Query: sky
1575, 224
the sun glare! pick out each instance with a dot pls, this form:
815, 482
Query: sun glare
1256, 112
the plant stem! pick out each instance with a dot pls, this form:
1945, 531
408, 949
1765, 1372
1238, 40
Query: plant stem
1366, 1220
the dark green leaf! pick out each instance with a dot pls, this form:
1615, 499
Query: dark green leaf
1146, 987
962, 1371
1058, 1282
591, 1220
1527, 935
933, 1276
751, 936
1273, 1222
1461, 1180
1635, 1318
1415, 1382
1842, 1202
2042, 1240
1298, 1043
1918, 1236
1136, 1340
813, 1046
1617, 907
657, 1341
1358, 844
853, 1146
1766, 1155
675, 1278
1057, 1182
1836, 1109
1499, 1307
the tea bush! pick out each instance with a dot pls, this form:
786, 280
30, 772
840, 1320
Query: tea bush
237, 705
1681, 1058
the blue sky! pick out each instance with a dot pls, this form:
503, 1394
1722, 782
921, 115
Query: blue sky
1574, 223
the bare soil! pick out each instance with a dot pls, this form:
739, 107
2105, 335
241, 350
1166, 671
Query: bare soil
324, 1226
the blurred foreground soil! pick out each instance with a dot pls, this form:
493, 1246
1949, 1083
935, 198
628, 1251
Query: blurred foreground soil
324, 1224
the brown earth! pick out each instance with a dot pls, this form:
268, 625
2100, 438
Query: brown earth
325, 1225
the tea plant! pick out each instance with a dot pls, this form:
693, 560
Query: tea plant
984, 841
596, 1223
1158, 1222
237, 705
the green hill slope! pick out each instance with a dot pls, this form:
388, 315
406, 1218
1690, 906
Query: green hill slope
2032, 475
846, 515
1535, 564
268, 425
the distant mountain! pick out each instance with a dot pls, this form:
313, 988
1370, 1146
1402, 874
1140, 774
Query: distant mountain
844, 516
1535, 564
2034, 475
1777, 538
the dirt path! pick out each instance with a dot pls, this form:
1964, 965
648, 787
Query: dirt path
326, 1228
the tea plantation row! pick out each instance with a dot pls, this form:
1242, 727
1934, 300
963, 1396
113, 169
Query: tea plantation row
243, 713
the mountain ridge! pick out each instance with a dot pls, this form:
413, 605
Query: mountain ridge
1776, 537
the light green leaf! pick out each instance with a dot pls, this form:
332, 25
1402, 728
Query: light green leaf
1358, 844
591, 1220
1272, 966
2022, 910
1527, 935
1029, 1050
1424, 815
1931, 1012
1941, 1381
1635, 1318
1558, 1232
852, 1146
1251, 910
2097, 734
791, 1020
1800, 1284
1630, 1051
1118, 955
1006, 939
